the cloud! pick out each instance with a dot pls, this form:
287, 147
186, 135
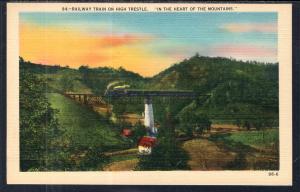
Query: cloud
250, 27
119, 40
65, 46
244, 52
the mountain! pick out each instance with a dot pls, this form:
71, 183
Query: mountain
236, 89
203, 74
83, 80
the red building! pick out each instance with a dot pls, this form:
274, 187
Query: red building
126, 132
145, 144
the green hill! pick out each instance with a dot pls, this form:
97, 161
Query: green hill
71, 136
98, 78
88, 129
238, 90
83, 80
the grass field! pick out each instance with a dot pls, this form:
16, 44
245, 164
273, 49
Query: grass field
255, 150
86, 136
85, 131
244, 150
83, 127
256, 139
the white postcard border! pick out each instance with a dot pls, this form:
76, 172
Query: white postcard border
14, 176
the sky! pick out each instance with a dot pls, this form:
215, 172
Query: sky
146, 43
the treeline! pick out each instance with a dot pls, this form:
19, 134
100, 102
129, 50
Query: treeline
243, 93
40, 68
98, 78
236, 92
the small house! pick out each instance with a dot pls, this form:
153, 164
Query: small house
126, 132
146, 144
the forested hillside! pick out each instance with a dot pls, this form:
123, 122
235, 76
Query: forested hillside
57, 133
237, 91
230, 92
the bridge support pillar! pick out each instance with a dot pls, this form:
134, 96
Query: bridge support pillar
149, 117
85, 99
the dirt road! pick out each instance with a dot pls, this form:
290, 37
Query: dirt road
206, 155
126, 165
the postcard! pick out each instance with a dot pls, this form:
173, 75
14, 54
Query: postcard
149, 94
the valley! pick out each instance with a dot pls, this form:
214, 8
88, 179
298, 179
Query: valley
233, 127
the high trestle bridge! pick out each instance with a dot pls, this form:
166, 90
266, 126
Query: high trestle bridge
148, 95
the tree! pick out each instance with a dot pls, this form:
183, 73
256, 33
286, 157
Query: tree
67, 83
139, 131
21, 60
167, 155
192, 121
38, 124
238, 122
247, 125
84, 70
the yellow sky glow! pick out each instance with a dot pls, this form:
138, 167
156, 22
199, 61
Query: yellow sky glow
64, 46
